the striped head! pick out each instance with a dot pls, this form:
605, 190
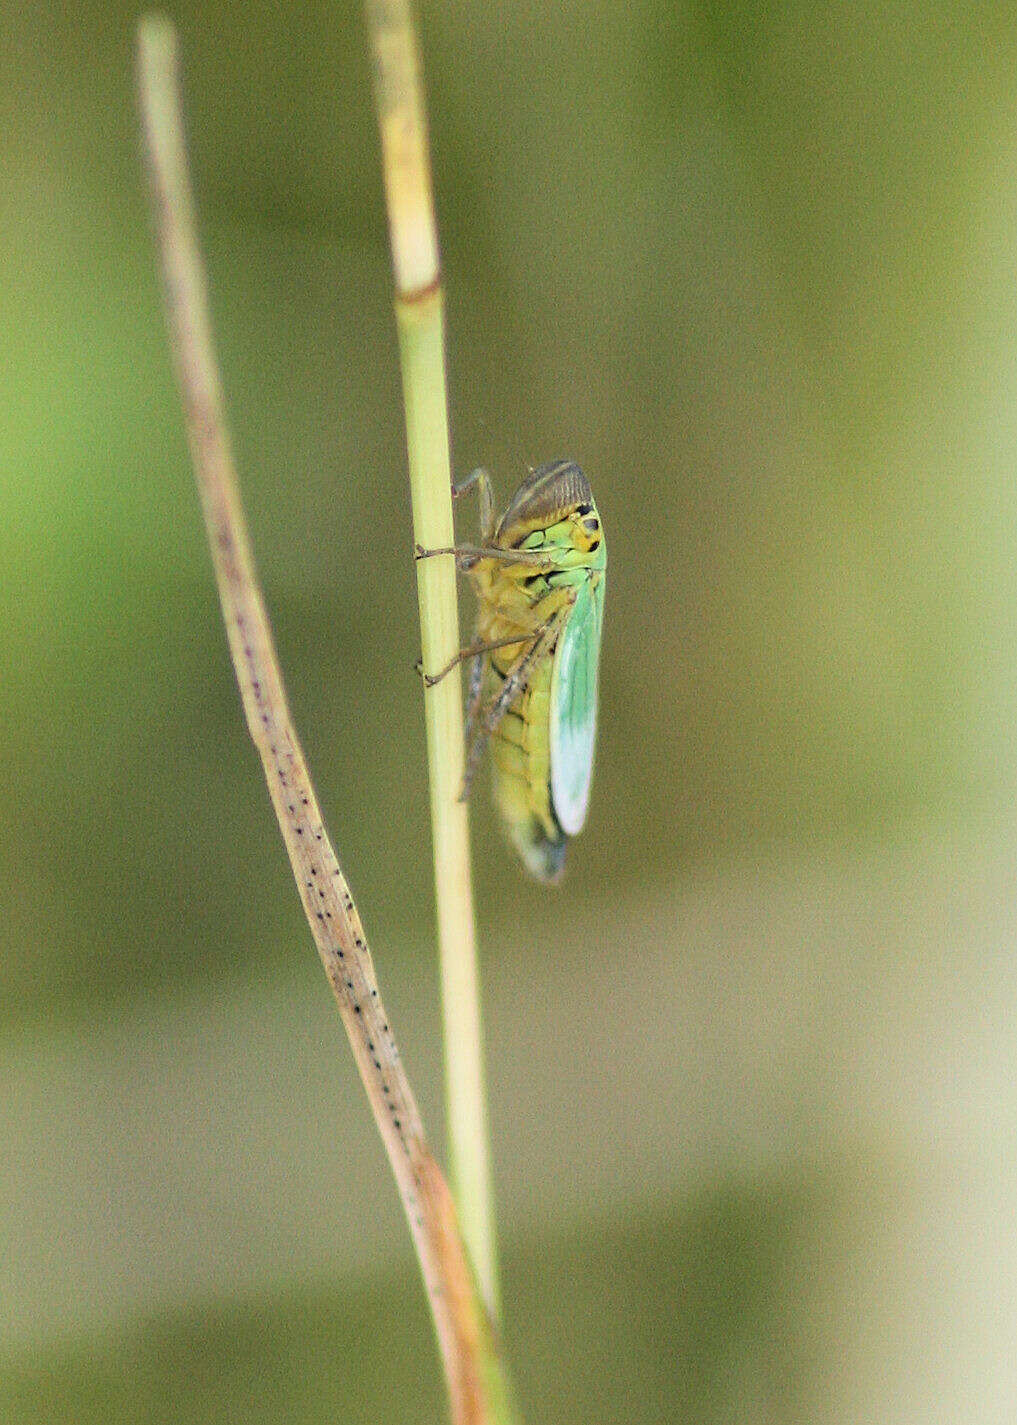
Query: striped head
555, 496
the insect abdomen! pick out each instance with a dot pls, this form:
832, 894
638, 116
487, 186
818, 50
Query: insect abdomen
521, 758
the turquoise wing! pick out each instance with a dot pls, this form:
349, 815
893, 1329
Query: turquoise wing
574, 706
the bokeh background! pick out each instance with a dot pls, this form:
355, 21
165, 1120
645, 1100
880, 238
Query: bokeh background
753, 1067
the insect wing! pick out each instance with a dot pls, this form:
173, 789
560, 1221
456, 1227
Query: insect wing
574, 706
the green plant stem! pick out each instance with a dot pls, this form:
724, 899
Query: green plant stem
421, 347
413, 234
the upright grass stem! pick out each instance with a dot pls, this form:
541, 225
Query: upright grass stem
473, 1368
419, 317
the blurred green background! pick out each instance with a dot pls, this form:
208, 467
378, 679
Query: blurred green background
752, 1068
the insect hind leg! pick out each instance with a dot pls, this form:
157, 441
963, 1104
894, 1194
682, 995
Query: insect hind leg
474, 695
515, 683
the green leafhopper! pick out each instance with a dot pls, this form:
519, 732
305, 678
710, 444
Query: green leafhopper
539, 575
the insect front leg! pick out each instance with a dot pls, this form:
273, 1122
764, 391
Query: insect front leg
466, 555
482, 481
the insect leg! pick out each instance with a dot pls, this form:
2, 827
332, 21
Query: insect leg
466, 555
474, 651
474, 695
515, 682
482, 480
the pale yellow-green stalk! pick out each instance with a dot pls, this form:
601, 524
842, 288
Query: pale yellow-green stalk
419, 315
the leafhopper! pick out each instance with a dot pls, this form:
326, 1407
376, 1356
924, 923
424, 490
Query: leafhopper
539, 575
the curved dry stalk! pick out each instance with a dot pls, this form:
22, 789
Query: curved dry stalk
462, 1329
419, 317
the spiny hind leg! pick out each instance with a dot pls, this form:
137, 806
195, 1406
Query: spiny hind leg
480, 480
473, 696
515, 683
518, 675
